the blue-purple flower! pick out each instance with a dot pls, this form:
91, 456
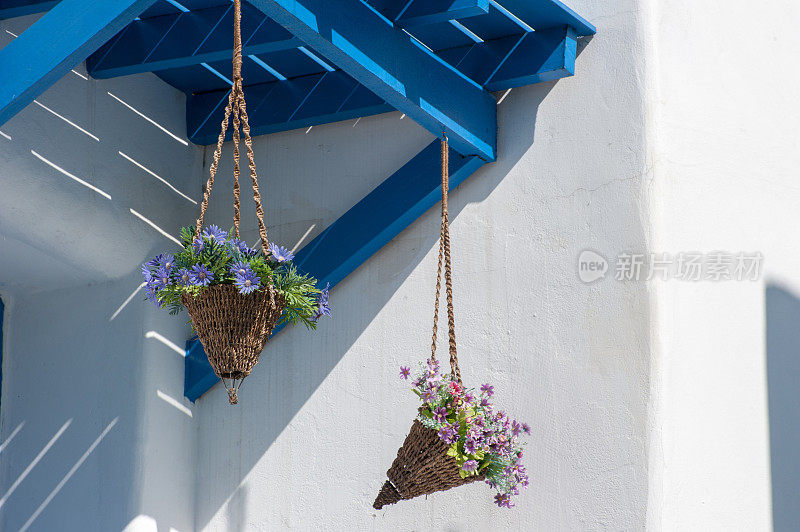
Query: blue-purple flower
166, 261
247, 282
160, 279
154, 263
184, 277
323, 307
197, 245
146, 273
239, 268
405, 371
280, 254
152, 295
470, 466
488, 390
200, 275
213, 232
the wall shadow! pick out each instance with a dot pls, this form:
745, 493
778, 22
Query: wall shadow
783, 374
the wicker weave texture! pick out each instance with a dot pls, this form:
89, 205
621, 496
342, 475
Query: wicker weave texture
233, 327
421, 467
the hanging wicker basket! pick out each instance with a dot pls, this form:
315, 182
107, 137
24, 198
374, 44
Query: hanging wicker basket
234, 327
422, 465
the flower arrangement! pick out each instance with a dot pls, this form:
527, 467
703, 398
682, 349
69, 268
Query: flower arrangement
481, 440
214, 258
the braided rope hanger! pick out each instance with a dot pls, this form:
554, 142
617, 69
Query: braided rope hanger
236, 106
444, 258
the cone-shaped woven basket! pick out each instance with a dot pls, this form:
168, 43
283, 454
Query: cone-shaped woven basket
421, 467
233, 327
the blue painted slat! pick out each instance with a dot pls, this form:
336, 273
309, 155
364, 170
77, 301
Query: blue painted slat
544, 55
358, 234
56, 43
543, 14
284, 105
185, 39
518, 60
395, 67
424, 12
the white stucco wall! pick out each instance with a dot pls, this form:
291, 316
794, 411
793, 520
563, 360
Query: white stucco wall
661, 405
89, 439
725, 158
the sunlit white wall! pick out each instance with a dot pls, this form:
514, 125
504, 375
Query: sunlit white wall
95, 431
725, 132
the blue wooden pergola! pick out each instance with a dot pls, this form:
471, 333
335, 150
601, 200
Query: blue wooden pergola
310, 62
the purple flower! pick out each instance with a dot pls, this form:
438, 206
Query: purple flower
488, 390
240, 268
247, 282
502, 499
280, 254
212, 232
470, 466
468, 398
166, 261
484, 402
448, 434
240, 245
515, 428
184, 277
440, 415
200, 276
429, 396
198, 245
526, 428
470, 446
323, 309
433, 365
405, 371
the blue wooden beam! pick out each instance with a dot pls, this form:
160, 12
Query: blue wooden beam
422, 12
19, 8
357, 235
396, 67
284, 105
185, 39
57, 42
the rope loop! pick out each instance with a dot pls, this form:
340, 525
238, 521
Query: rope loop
236, 106
445, 259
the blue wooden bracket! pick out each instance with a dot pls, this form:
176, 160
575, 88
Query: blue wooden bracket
285, 105
20, 8
184, 39
518, 60
357, 235
396, 67
56, 43
422, 12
